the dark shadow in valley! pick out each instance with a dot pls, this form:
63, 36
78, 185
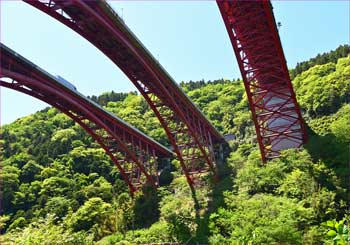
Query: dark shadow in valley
224, 182
336, 156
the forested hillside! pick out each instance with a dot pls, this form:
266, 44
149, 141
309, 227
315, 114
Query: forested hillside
58, 185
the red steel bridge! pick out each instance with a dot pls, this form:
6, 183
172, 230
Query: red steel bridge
254, 37
190, 134
133, 153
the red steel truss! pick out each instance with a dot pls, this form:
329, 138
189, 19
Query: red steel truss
257, 46
191, 135
134, 153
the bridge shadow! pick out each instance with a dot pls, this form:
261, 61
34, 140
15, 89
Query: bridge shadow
216, 200
330, 150
146, 208
335, 154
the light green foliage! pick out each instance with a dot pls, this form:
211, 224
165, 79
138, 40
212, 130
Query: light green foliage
332, 135
255, 177
63, 140
63, 135
322, 89
18, 160
258, 219
226, 106
157, 233
99, 188
61, 121
340, 127
131, 109
45, 231
297, 184
334, 123
56, 186
48, 172
92, 216
18, 223
338, 232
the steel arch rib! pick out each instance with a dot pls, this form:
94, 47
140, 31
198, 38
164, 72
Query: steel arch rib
190, 133
120, 142
18, 86
257, 47
21, 89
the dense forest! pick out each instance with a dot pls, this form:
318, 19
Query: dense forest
58, 185
321, 59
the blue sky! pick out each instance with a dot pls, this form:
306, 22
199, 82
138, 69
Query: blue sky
188, 38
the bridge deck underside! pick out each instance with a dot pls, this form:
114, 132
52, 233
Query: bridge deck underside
254, 37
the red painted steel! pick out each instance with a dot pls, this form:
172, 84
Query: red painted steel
191, 135
134, 154
257, 46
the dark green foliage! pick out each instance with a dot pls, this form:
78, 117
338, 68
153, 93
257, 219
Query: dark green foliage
320, 59
165, 177
104, 98
58, 205
146, 207
192, 85
30, 171
10, 184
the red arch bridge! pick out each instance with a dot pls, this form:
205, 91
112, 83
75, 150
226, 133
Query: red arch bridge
252, 30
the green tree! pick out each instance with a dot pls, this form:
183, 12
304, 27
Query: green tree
9, 185
100, 188
90, 216
57, 205
262, 218
30, 170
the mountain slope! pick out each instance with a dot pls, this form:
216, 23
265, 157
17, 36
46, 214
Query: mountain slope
60, 187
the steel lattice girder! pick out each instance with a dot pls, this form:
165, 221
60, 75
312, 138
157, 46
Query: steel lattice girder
191, 135
134, 153
257, 46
